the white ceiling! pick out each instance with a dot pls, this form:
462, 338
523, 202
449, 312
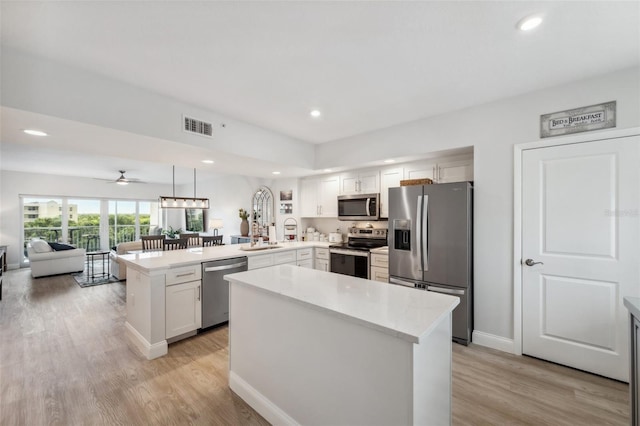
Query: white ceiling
365, 65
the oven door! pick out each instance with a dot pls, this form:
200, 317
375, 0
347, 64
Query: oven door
348, 262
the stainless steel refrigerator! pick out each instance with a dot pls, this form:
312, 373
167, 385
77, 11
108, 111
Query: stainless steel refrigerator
431, 247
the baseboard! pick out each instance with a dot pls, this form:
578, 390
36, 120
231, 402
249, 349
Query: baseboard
492, 341
267, 409
13, 266
148, 350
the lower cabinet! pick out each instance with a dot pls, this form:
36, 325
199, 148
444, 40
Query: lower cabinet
304, 257
322, 259
183, 308
379, 270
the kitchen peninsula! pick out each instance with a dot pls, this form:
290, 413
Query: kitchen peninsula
313, 347
151, 276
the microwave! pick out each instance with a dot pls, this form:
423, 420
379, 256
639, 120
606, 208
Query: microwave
359, 207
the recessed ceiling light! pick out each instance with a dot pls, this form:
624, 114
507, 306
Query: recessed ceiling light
275, 173
529, 22
390, 161
328, 170
315, 113
34, 132
207, 161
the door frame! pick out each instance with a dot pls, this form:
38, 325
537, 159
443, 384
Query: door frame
518, 151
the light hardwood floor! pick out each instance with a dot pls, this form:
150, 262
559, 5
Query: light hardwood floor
64, 360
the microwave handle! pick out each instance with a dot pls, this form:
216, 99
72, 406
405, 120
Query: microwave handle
367, 206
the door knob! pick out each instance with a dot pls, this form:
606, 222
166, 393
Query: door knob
530, 262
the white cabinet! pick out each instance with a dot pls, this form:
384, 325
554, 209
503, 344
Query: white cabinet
319, 197
322, 259
389, 178
422, 170
454, 171
304, 258
379, 269
288, 257
362, 182
443, 171
183, 308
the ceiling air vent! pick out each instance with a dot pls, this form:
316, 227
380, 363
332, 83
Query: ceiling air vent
199, 127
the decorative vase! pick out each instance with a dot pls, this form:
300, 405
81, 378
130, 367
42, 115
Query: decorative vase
244, 228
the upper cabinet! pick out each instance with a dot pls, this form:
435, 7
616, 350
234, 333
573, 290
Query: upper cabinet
389, 178
319, 196
454, 171
362, 182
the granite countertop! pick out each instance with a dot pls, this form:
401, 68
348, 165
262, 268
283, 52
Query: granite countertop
161, 260
403, 312
633, 305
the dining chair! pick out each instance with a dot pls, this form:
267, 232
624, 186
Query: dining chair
208, 241
193, 238
174, 244
152, 242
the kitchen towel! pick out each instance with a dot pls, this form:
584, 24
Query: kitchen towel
272, 234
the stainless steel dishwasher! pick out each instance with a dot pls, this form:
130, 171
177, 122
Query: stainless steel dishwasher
215, 290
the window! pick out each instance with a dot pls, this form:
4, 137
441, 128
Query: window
195, 219
46, 224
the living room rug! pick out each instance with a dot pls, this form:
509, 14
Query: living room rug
84, 280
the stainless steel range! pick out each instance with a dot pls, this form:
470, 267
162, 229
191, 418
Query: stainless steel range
352, 257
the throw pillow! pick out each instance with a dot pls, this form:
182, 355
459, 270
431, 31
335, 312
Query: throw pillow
40, 246
60, 247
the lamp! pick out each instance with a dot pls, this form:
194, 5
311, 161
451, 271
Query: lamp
215, 224
183, 202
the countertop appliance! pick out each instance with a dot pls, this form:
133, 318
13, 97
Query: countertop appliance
215, 290
359, 207
431, 247
352, 257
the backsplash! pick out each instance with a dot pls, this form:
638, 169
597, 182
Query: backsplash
326, 225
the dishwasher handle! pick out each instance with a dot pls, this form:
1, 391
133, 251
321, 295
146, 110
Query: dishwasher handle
225, 267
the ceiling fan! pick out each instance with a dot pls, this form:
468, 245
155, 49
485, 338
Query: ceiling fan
123, 180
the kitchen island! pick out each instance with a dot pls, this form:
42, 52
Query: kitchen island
312, 347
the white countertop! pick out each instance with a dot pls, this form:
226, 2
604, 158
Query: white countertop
633, 305
159, 260
404, 312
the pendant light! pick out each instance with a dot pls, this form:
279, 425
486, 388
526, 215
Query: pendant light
183, 202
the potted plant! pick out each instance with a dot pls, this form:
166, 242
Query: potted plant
172, 233
244, 225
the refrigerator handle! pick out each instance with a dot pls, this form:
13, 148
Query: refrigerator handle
419, 230
424, 236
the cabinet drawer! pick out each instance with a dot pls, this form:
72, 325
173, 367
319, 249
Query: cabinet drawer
322, 253
381, 260
379, 274
183, 274
262, 261
308, 263
303, 254
284, 257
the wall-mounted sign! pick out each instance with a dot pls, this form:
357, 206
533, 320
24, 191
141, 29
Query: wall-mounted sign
593, 117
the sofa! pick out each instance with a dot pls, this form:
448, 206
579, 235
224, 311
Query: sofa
44, 260
118, 268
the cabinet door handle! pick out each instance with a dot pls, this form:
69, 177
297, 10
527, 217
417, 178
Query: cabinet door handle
198, 292
185, 275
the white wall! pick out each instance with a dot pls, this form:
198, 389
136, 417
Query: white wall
43, 86
492, 129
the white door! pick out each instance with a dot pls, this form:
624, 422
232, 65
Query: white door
580, 214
